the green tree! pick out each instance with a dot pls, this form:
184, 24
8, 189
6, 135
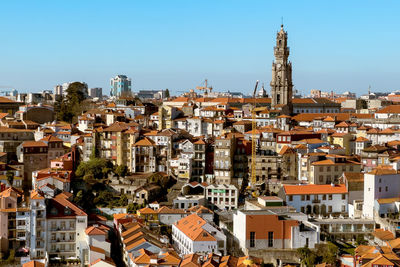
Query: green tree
307, 256
167, 93
77, 92
84, 199
132, 207
121, 170
95, 168
360, 240
10, 177
78, 198
123, 200
329, 252
72, 105
104, 198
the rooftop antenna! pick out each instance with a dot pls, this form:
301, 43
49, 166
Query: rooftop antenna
369, 89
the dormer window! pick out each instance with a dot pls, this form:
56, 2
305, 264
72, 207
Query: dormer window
67, 211
53, 211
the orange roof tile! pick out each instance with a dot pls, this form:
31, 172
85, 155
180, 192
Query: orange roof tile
145, 142
33, 264
93, 230
314, 189
191, 226
97, 249
33, 144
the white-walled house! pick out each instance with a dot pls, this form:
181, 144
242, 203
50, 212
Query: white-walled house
266, 230
96, 238
223, 196
193, 234
380, 183
316, 199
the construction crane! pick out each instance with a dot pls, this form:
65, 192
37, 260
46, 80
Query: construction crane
205, 88
253, 139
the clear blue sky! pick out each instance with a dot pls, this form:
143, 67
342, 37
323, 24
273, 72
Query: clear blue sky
335, 45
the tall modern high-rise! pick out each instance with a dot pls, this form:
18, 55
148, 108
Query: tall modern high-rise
58, 89
281, 82
120, 85
96, 92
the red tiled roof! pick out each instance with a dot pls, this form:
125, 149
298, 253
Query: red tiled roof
314, 189
33, 144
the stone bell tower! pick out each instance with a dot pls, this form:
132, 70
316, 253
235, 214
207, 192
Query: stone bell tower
281, 82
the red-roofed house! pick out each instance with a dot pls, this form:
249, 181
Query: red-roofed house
97, 236
264, 230
193, 234
316, 199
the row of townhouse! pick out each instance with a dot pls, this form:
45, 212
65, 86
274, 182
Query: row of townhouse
49, 226
137, 241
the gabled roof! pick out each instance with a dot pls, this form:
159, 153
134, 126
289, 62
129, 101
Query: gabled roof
314, 189
50, 139
190, 260
93, 230
145, 142
286, 150
342, 124
103, 262
192, 227
34, 144
117, 127
383, 234
383, 170
391, 109
354, 177
63, 208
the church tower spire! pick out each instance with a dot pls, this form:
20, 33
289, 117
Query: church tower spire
281, 82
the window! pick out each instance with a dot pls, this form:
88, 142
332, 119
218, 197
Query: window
330, 197
323, 197
321, 168
343, 196
290, 198
252, 239
303, 197
386, 188
329, 208
302, 209
380, 189
308, 197
270, 239
343, 208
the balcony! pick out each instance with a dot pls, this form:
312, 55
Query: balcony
60, 240
316, 201
38, 207
63, 229
21, 227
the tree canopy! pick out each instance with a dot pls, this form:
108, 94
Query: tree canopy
71, 106
94, 169
121, 170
